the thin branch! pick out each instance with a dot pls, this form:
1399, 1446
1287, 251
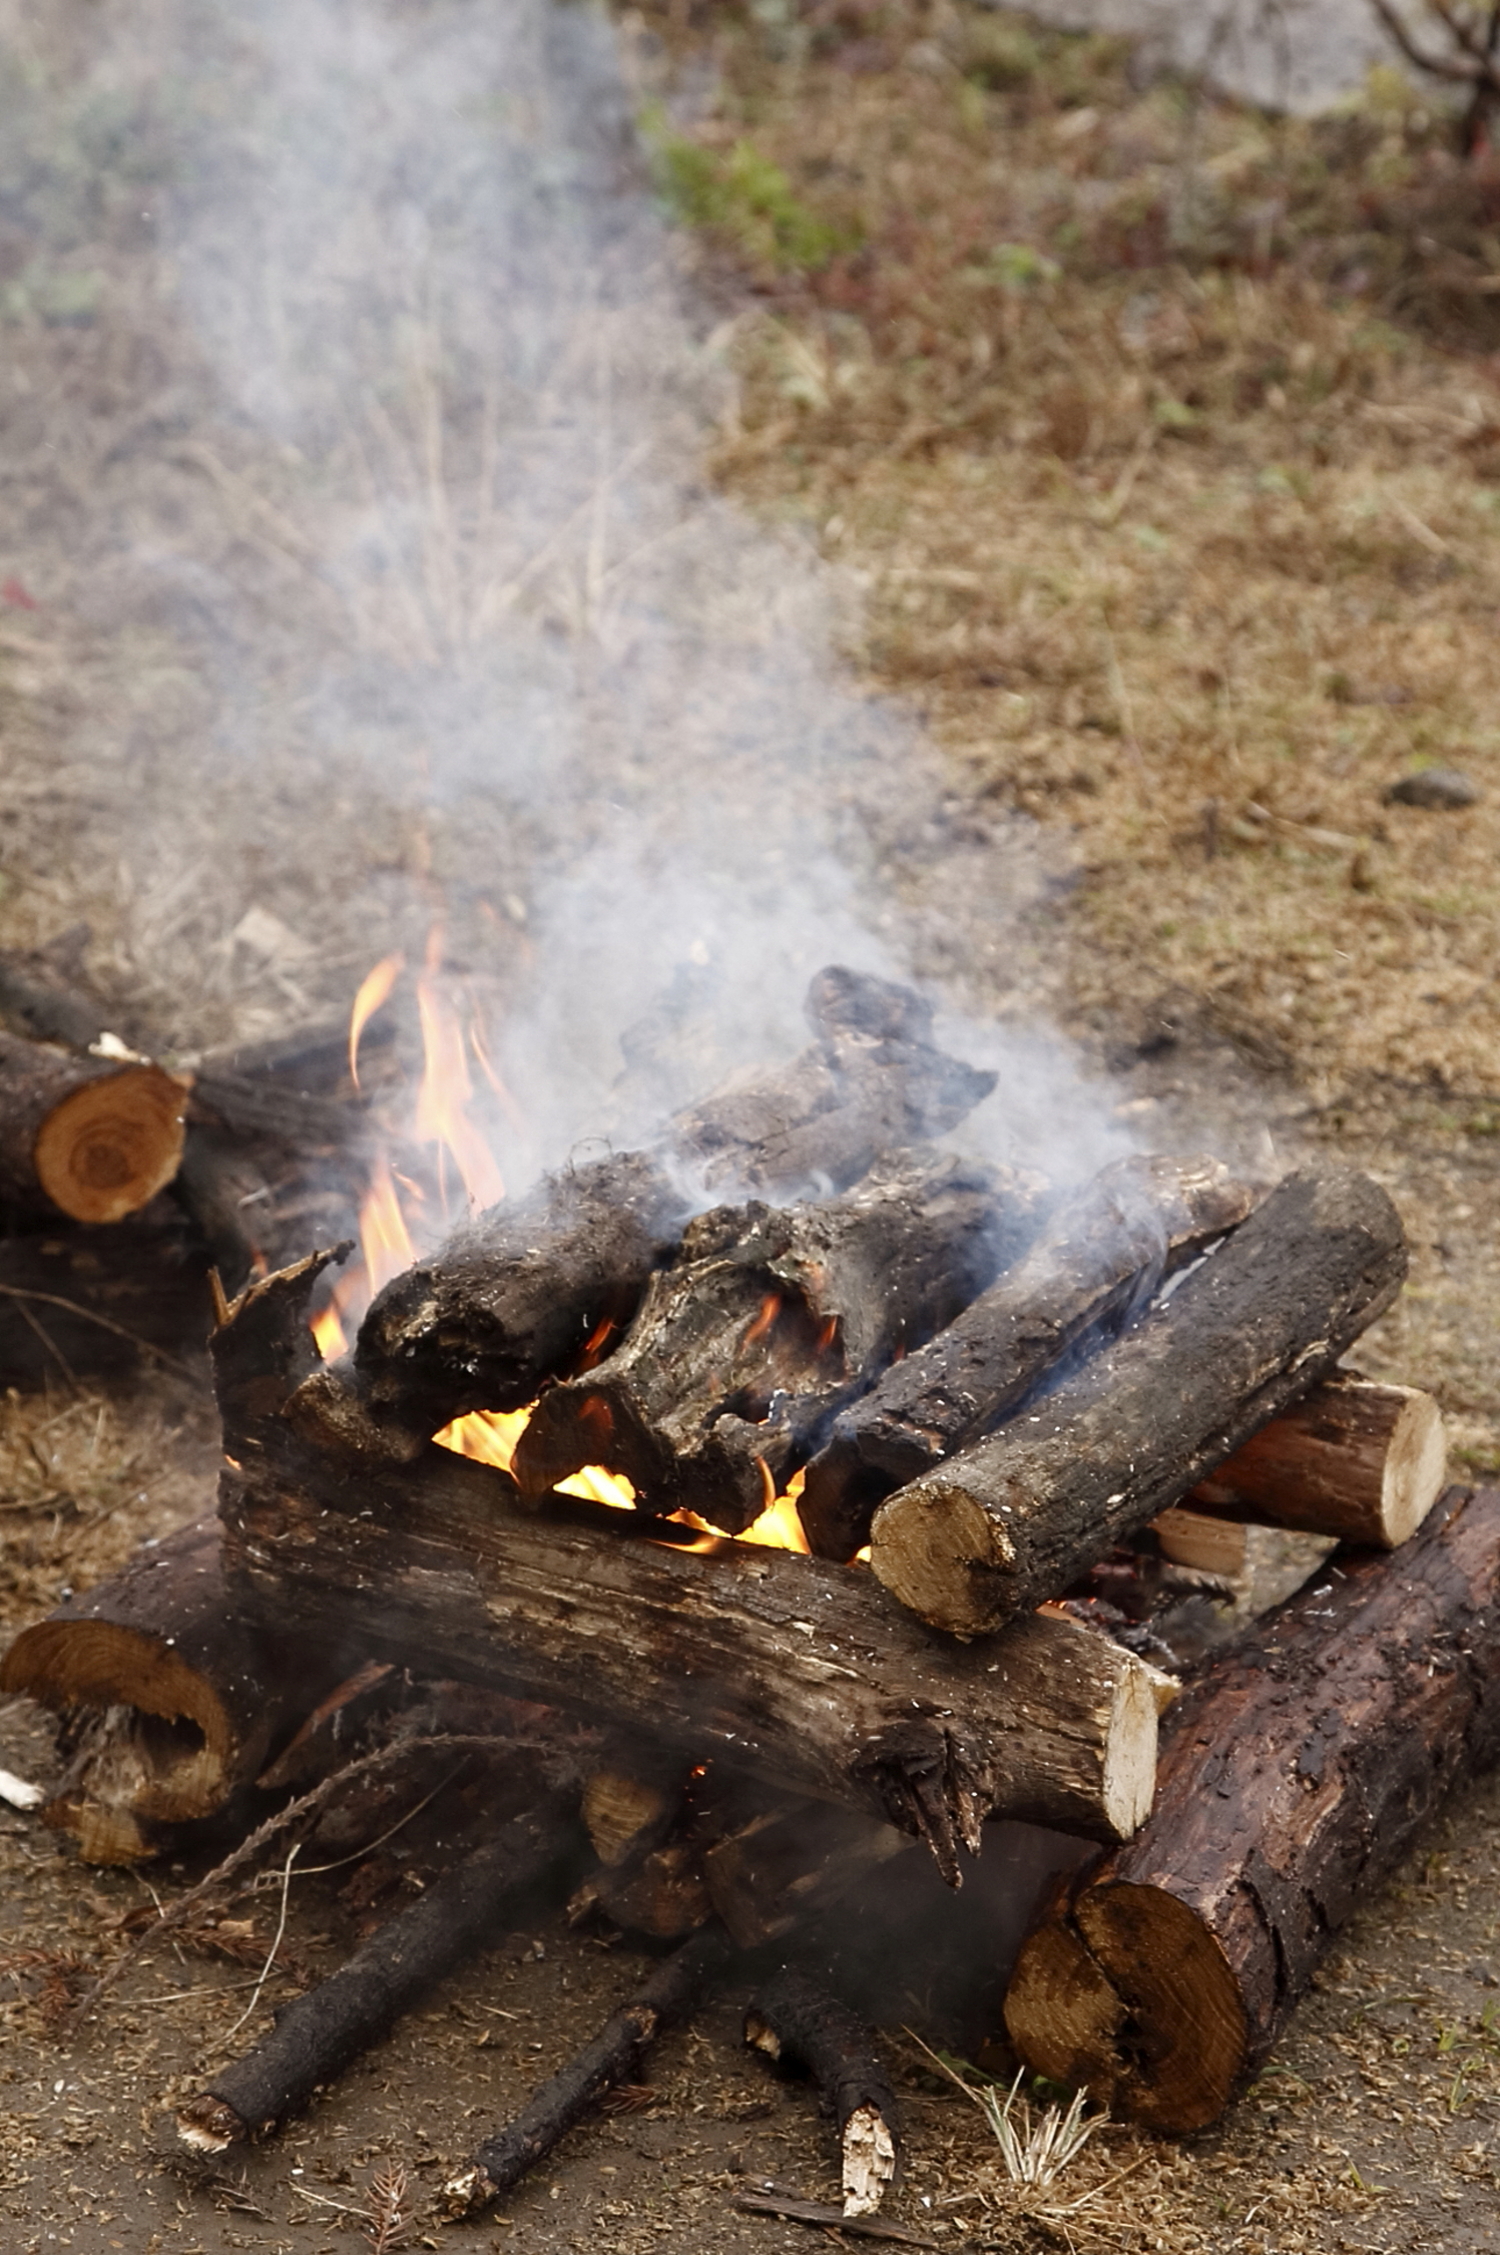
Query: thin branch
1438, 66
265, 1971
52, 1300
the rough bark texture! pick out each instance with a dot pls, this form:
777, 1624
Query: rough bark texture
767, 1321
85, 1136
515, 1297
613, 2057
321, 2032
1296, 1772
794, 2021
1098, 1256
1247, 1334
1356, 1459
173, 1699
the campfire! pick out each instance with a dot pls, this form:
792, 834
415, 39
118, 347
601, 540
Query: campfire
740, 1510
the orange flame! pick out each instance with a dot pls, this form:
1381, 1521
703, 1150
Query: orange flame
770, 1308
383, 1234
329, 1333
488, 1435
447, 1090
374, 990
779, 1526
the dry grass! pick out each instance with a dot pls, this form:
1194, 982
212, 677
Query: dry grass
1164, 439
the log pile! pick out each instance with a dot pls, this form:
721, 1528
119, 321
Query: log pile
996, 1397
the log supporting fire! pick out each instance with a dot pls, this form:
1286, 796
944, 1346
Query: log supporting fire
760, 1503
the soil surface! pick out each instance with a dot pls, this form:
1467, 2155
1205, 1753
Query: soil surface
238, 644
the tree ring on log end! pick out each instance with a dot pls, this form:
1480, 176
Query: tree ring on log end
110, 1146
1183, 2041
917, 1537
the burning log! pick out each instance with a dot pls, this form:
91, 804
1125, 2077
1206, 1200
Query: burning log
322, 2032
793, 2020
91, 1137
767, 1320
1362, 1461
1093, 1263
172, 1698
1022, 1515
1298, 1769
613, 2057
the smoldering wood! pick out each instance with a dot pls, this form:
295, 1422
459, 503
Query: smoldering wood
1104, 1249
1297, 1771
794, 2021
996, 1530
514, 1297
768, 1320
323, 2031
613, 2056
171, 1698
1356, 1459
89, 1137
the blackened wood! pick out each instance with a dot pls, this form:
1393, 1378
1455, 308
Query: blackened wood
89, 1137
1012, 1521
832, 2220
794, 2021
1296, 1773
613, 2057
765, 1323
1099, 1254
172, 1697
322, 2032
789, 1860
514, 1297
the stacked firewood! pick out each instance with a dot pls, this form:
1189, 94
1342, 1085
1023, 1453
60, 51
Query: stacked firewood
1002, 1412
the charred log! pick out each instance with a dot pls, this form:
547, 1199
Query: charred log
613, 2057
1245, 1337
794, 2022
1297, 1771
1100, 1255
769, 1319
324, 2031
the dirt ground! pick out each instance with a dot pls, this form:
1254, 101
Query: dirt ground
1178, 549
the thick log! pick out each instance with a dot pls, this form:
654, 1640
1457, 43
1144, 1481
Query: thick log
322, 2032
87, 1136
102, 1303
1103, 1252
765, 1324
1362, 1461
1243, 1338
1297, 1771
793, 2021
172, 1698
613, 2057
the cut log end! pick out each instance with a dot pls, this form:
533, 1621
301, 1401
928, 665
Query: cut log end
1141, 1696
1357, 1459
1139, 2007
108, 1148
943, 1557
208, 2127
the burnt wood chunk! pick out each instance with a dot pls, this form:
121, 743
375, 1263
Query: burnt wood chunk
90, 1137
514, 1297
796, 2023
1246, 1335
613, 2057
322, 2032
1104, 1250
1296, 1773
767, 1321
1362, 1461
172, 1698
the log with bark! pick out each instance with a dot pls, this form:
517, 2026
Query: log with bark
171, 1698
767, 1321
613, 2057
1103, 1252
798, 1671
323, 2031
1296, 1773
102, 1302
1245, 1336
92, 1137
1359, 1460
795, 2022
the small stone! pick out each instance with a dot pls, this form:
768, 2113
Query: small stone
1440, 789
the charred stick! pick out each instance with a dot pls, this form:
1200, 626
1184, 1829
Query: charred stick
320, 2033
1296, 1773
767, 1320
1246, 1336
1100, 1256
612, 2057
794, 2021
